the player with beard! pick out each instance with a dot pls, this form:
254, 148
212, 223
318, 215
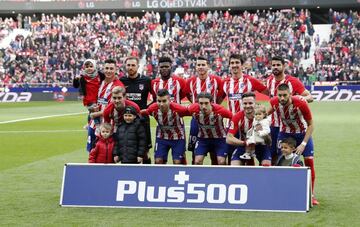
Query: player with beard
241, 123
137, 90
295, 121
203, 82
235, 86
296, 88
176, 86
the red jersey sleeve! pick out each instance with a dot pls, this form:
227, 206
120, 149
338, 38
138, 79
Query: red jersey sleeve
193, 108
220, 89
152, 108
152, 91
257, 85
108, 112
183, 86
222, 111
298, 87
305, 110
274, 101
188, 89
181, 110
117, 82
234, 123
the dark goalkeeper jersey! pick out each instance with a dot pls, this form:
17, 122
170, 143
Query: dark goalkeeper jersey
138, 89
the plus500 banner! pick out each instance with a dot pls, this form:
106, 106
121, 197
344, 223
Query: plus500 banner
180, 187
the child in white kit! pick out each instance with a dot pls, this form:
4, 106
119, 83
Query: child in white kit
259, 132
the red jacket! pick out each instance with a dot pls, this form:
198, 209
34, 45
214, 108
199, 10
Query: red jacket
103, 151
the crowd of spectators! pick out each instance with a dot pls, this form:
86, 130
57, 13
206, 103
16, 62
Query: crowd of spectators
58, 46
257, 36
339, 58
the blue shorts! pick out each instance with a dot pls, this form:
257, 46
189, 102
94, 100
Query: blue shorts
274, 131
90, 144
299, 137
232, 148
163, 146
262, 152
218, 145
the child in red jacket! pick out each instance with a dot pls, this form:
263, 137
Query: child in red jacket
89, 83
103, 151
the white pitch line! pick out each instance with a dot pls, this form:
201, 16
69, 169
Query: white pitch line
43, 131
42, 117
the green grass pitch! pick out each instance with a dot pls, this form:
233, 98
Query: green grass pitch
33, 153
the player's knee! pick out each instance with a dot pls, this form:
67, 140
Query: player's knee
198, 161
221, 161
159, 161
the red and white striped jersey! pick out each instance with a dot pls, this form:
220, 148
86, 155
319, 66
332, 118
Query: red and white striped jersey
235, 88
212, 125
170, 123
296, 88
294, 116
240, 123
212, 84
175, 85
104, 95
114, 117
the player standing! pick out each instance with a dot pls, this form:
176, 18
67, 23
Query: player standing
204, 82
104, 97
137, 90
170, 131
175, 85
240, 124
296, 88
235, 86
212, 133
295, 121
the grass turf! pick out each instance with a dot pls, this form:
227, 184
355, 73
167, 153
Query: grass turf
32, 162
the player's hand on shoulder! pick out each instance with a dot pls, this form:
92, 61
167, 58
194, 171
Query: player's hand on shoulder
300, 149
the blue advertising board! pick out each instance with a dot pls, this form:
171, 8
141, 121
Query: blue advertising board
186, 187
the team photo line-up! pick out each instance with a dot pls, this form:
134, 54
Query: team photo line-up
119, 115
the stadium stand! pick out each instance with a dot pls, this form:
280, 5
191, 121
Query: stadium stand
58, 45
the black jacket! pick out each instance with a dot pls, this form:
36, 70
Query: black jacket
130, 141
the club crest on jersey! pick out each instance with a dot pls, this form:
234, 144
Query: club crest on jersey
141, 87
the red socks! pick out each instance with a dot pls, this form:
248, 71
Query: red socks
310, 163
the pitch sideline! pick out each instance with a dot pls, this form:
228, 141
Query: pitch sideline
42, 117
